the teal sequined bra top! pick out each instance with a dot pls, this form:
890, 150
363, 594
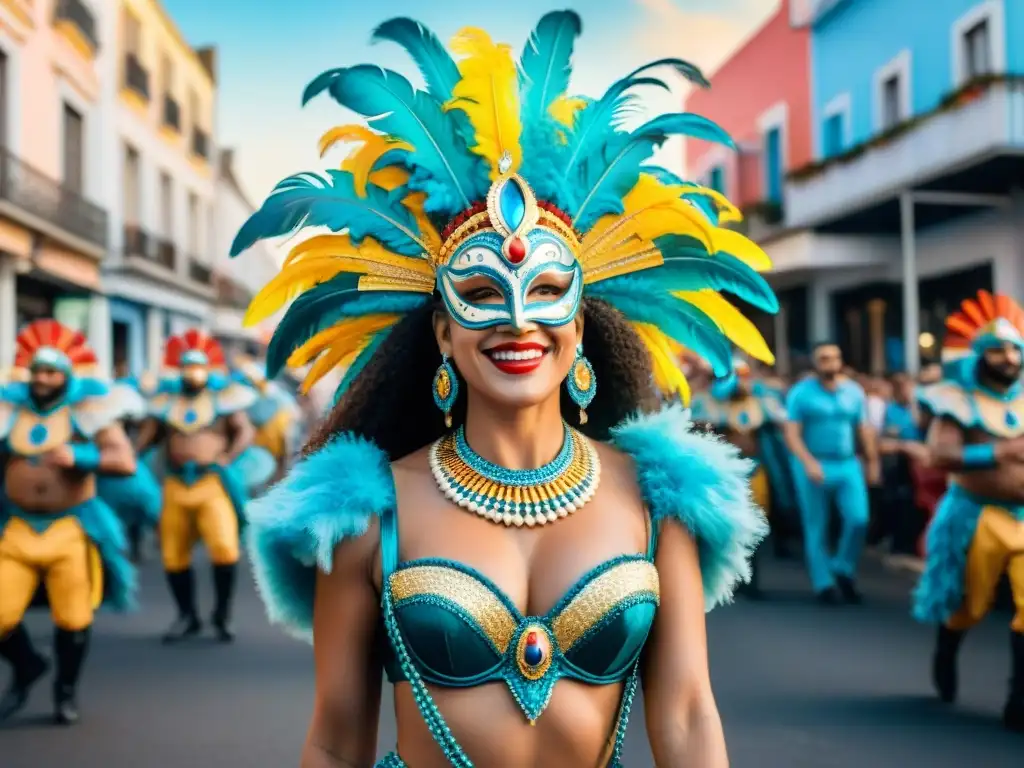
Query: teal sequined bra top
451, 626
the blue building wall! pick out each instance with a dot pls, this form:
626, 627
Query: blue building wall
852, 41
134, 317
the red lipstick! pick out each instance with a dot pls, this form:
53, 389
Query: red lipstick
517, 357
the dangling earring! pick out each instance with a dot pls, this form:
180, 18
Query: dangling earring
582, 383
446, 389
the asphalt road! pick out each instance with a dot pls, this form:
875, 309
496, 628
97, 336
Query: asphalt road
797, 686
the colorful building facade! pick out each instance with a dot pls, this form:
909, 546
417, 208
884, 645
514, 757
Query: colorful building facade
918, 131
53, 227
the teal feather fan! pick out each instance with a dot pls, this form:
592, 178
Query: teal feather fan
650, 243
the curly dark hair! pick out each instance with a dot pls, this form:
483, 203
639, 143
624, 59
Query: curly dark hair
390, 401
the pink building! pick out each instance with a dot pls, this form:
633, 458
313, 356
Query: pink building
762, 97
52, 237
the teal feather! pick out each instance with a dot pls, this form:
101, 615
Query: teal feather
689, 71
331, 201
360, 362
644, 299
610, 176
326, 304
546, 63
390, 105
436, 65
594, 122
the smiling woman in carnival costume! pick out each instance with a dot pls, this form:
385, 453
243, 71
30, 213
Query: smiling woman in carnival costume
512, 552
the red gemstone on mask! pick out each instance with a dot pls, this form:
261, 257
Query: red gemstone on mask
516, 251
531, 638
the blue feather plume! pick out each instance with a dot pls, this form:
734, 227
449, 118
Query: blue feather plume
391, 105
360, 362
436, 65
546, 63
331, 201
689, 71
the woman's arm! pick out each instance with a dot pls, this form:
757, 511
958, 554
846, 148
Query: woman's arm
682, 718
346, 617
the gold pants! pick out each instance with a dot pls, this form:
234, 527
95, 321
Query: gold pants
997, 548
760, 491
193, 512
273, 436
66, 563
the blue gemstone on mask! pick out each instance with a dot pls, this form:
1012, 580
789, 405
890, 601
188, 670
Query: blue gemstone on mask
512, 204
37, 435
533, 655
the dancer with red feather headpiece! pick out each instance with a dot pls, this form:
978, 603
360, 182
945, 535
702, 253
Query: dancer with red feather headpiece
59, 427
198, 418
977, 535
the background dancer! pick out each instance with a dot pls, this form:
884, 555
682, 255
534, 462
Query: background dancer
977, 535
60, 430
826, 416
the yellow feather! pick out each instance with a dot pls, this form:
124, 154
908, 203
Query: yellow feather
564, 109
286, 285
733, 323
360, 162
390, 177
727, 212
489, 95
667, 374
742, 247
353, 335
313, 346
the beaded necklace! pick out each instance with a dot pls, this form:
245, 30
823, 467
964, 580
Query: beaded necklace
517, 496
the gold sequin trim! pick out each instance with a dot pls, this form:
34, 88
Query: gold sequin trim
464, 591
600, 596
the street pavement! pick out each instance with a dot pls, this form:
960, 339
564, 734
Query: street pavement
797, 685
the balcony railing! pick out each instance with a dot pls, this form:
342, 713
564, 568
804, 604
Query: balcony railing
167, 254
200, 144
79, 14
172, 114
136, 78
37, 194
199, 272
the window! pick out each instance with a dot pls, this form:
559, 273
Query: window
716, 180
132, 187
74, 157
166, 207
193, 224
132, 34
193, 110
892, 113
977, 50
773, 165
832, 135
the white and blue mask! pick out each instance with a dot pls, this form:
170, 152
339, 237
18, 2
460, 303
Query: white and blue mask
517, 246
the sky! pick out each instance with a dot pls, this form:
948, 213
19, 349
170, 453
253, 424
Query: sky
266, 58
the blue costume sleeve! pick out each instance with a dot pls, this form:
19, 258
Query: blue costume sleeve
795, 404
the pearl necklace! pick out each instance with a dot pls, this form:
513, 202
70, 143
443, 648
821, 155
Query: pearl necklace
516, 496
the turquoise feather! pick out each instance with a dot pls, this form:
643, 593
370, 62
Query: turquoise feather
331, 201
546, 63
436, 65
687, 261
689, 71
391, 105
360, 362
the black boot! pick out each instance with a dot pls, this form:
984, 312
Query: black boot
848, 589
70, 648
224, 589
135, 543
183, 589
27, 667
944, 677
829, 596
1013, 713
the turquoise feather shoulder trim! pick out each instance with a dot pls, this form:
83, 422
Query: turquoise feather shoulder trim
327, 497
701, 481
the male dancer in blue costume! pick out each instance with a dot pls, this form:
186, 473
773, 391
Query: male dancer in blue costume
276, 415
198, 415
826, 418
977, 535
59, 431
731, 409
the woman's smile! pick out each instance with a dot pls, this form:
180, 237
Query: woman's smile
517, 357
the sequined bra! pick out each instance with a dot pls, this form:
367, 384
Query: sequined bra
449, 625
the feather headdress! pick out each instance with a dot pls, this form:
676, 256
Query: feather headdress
194, 347
426, 176
51, 343
982, 322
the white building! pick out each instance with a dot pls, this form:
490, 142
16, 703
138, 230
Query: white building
239, 279
159, 115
